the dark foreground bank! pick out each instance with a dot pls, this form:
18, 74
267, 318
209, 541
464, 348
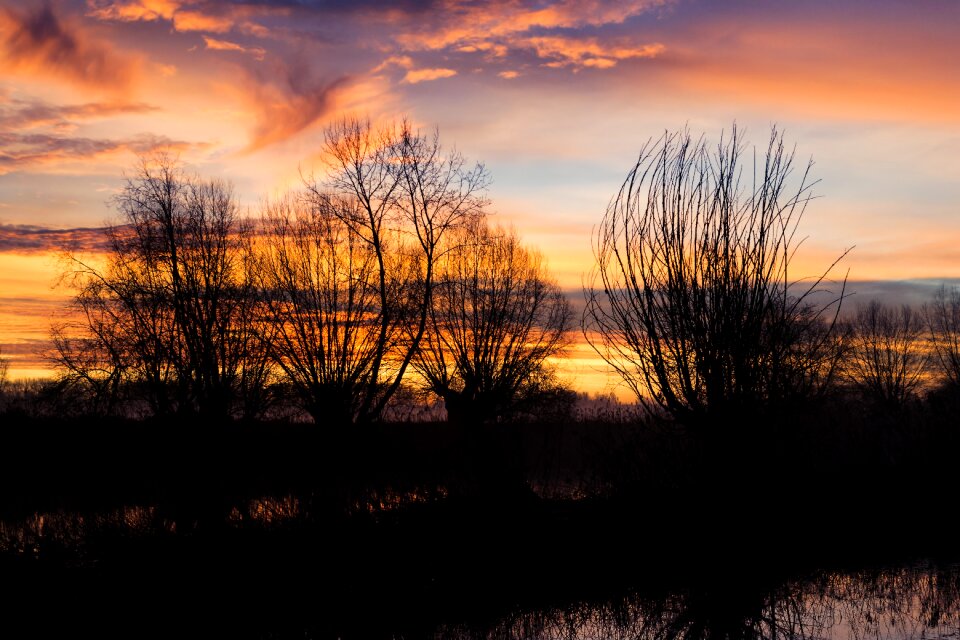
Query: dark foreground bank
519, 530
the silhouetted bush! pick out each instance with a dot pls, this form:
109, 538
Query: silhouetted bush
692, 300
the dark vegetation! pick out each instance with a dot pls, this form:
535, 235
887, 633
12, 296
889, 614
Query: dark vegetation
356, 389
406, 526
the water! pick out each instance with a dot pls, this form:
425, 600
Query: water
918, 601
372, 598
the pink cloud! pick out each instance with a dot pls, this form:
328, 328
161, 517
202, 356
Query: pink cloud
425, 75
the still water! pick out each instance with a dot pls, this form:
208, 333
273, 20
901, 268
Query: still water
919, 599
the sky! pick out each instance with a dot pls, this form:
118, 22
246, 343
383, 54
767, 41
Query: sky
556, 98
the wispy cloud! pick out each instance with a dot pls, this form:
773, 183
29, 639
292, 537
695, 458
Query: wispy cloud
403, 62
34, 133
40, 42
286, 99
413, 75
225, 45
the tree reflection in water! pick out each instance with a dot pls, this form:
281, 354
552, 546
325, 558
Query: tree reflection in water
913, 602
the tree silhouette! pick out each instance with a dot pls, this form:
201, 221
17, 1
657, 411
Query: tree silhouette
942, 316
401, 192
495, 319
887, 359
174, 309
4, 369
692, 300
321, 288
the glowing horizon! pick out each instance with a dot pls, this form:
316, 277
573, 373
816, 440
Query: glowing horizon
555, 97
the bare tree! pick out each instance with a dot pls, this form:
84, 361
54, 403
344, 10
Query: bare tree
4, 369
495, 319
887, 358
95, 356
692, 300
122, 334
942, 316
321, 284
401, 192
172, 309
250, 333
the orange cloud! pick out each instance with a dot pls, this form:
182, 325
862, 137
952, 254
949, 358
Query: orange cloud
589, 52
404, 62
413, 76
186, 16
132, 10
196, 21
286, 103
425, 75
551, 32
224, 45
470, 24
494, 50
509, 75
39, 42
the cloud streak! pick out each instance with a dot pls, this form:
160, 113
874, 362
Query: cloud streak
35, 134
589, 52
425, 75
31, 151
31, 239
225, 45
26, 114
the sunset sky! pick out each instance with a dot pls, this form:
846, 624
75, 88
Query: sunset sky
556, 98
